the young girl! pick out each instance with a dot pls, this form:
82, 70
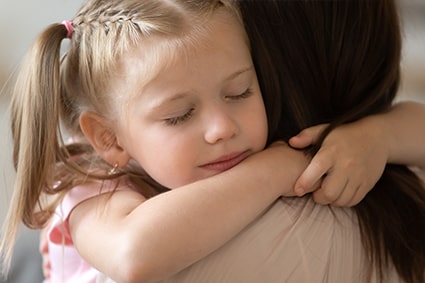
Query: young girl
167, 97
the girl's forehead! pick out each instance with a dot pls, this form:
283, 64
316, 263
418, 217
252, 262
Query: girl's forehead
152, 56
178, 60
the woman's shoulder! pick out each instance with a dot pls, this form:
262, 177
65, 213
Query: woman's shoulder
294, 240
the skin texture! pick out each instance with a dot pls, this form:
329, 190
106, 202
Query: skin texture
196, 117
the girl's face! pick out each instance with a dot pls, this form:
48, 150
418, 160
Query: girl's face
201, 115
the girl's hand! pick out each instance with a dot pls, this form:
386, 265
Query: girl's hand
349, 163
283, 152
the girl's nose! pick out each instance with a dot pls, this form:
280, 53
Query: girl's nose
220, 126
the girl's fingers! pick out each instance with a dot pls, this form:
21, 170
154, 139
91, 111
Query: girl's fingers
307, 137
318, 168
343, 194
331, 191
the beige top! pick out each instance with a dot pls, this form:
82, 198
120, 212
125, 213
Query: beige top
295, 240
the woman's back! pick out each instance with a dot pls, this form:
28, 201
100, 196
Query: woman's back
336, 62
295, 240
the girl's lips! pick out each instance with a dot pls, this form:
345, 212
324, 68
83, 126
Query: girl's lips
226, 162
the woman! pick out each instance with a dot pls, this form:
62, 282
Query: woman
330, 62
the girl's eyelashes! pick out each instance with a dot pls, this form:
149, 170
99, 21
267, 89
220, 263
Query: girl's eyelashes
243, 95
173, 121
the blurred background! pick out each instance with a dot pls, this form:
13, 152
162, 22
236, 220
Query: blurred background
21, 20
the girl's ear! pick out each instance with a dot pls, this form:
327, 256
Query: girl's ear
103, 139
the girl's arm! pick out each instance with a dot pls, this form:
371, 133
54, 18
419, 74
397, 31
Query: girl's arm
404, 127
136, 240
353, 156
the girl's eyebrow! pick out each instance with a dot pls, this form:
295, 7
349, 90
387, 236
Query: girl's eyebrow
237, 73
166, 103
180, 95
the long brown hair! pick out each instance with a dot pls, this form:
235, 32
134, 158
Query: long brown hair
336, 62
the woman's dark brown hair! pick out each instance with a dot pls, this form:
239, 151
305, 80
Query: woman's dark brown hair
335, 62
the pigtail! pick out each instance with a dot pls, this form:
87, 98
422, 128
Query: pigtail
36, 137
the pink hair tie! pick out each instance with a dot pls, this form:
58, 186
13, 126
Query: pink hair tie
69, 28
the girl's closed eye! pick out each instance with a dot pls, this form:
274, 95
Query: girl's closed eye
173, 121
241, 96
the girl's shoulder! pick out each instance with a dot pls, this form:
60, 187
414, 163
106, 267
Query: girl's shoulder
91, 189
84, 192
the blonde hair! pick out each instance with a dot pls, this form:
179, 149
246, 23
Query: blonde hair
51, 92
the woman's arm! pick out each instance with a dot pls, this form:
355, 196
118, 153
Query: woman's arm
136, 240
353, 156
